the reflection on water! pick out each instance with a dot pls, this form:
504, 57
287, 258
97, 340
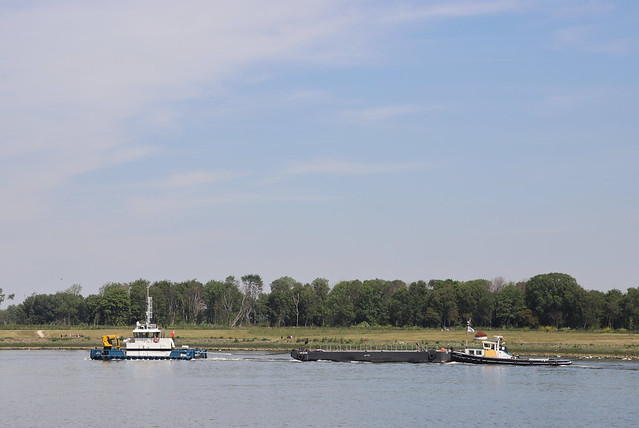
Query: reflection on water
246, 389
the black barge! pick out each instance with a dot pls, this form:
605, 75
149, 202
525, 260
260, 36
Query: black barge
416, 356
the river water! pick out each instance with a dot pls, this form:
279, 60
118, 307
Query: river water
257, 389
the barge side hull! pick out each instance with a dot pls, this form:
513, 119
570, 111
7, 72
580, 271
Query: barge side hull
430, 356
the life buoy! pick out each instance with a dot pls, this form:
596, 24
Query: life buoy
156, 340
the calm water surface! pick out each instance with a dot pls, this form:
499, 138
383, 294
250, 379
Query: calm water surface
250, 389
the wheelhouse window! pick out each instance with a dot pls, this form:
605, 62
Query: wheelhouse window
488, 345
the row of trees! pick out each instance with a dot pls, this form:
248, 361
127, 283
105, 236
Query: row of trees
553, 299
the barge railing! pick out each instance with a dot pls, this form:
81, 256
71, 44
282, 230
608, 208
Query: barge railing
387, 347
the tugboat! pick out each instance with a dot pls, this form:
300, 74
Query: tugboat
493, 351
146, 344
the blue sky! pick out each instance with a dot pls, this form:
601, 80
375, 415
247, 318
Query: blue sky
337, 139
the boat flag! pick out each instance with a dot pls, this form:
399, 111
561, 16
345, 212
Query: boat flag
172, 334
470, 329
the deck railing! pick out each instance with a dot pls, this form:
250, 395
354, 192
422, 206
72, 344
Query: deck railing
363, 347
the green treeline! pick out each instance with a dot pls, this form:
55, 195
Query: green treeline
553, 299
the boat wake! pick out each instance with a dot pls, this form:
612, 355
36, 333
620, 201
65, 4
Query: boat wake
610, 366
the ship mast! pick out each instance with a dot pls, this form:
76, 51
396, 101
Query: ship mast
149, 307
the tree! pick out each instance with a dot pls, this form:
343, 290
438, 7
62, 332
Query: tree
281, 301
137, 295
38, 309
193, 298
212, 290
613, 308
475, 302
356, 302
526, 318
223, 300
592, 307
260, 313
109, 285
399, 308
340, 309
553, 298
630, 305
317, 306
163, 312
94, 309
303, 297
369, 305
252, 288
70, 307
2, 296
116, 305
382, 292
419, 306
509, 302
9, 315
174, 300
443, 300
497, 283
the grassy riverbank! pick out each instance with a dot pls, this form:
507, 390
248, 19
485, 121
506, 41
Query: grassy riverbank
525, 342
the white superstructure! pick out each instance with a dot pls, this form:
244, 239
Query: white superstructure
492, 348
147, 340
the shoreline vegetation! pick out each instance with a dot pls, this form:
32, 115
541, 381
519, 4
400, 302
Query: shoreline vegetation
540, 342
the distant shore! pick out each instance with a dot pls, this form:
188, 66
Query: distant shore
582, 344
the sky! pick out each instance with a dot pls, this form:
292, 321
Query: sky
409, 140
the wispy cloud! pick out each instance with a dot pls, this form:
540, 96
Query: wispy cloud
91, 78
310, 96
377, 114
197, 178
173, 203
340, 167
578, 9
451, 9
92, 85
587, 39
564, 103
